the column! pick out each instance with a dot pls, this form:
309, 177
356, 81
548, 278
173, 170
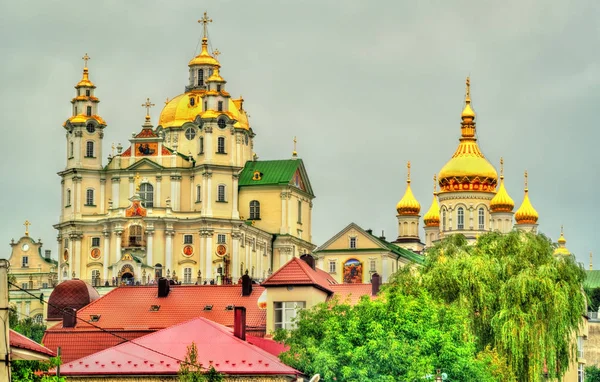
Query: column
202, 254
131, 185
208, 202
106, 254
157, 200
70, 257
169, 250
233, 149
149, 247
471, 219
62, 200
192, 192
116, 182
235, 255
290, 214
118, 245
235, 214
208, 143
77, 149
102, 195
282, 229
175, 192
208, 272
77, 194
77, 257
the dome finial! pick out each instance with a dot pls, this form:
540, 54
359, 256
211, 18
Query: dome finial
468, 115
408, 172
148, 105
205, 20
502, 202
526, 214
295, 153
85, 59
526, 176
434, 184
408, 205
468, 91
501, 168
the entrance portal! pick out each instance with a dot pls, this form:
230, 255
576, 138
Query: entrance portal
127, 278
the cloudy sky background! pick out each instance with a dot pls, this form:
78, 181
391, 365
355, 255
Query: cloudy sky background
364, 85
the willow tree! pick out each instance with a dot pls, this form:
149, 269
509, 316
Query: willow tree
521, 300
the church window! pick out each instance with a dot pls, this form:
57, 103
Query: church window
221, 193
443, 220
25, 262
205, 105
299, 212
200, 77
201, 144
352, 242
89, 197
373, 265
187, 275
68, 197
38, 318
221, 123
481, 218
89, 149
71, 150
96, 278
192, 101
460, 218
221, 145
218, 87
198, 193
135, 236
147, 195
95, 241
285, 313
221, 238
188, 239
332, 266
220, 106
89, 111
87, 92
90, 128
254, 210
190, 133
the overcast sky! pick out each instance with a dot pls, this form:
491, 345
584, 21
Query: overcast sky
364, 85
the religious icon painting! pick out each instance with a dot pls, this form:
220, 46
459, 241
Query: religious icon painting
353, 272
95, 253
221, 250
188, 250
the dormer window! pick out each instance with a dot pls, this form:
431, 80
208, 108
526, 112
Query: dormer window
200, 77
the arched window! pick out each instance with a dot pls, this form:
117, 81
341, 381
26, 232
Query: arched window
460, 218
200, 77
68, 198
221, 193
158, 270
89, 149
198, 193
89, 197
89, 111
254, 209
221, 145
71, 151
95, 278
135, 236
444, 220
481, 218
147, 195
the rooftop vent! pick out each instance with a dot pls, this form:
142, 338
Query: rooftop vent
94, 317
229, 307
208, 307
154, 308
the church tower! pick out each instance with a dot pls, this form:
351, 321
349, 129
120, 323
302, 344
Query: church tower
432, 219
526, 216
501, 206
467, 182
408, 209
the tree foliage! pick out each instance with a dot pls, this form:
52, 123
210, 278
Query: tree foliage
397, 337
191, 370
519, 299
592, 374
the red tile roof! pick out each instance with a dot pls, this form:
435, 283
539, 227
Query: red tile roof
160, 352
146, 133
126, 310
298, 272
72, 294
351, 292
19, 341
268, 345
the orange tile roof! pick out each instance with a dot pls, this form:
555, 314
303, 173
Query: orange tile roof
298, 272
351, 293
161, 351
19, 341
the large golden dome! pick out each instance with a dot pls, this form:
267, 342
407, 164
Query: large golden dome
408, 205
502, 202
432, 217
468, 170
526, 214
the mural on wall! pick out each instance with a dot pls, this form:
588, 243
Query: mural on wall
188, 250
95, 254
136, 209
353, 270
146, 149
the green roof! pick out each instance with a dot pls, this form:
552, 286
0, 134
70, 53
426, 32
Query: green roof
592, 279
273, 172
410, 255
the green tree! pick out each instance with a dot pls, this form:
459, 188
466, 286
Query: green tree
397, 337
191, 369
521, 301
592, 374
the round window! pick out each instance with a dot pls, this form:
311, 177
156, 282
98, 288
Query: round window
90, 128
221, 123
190, 133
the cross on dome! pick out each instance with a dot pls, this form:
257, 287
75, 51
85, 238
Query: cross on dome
408, 172
216, 53
205, 20
85, 58
27, 224
468, 91
148, 105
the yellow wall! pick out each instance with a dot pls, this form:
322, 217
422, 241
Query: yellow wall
310, 295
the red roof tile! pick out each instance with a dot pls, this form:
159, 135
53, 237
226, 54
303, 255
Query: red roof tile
72, 294
146, 133
126, 310
19, 341
127, 153
351, 292
298, 272
268, 345
160, 351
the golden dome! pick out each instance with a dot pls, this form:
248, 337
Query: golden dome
85, 81
82, 119
502, 202
408, 205
468, 170
432, 217
204, 58
215, 76
562, 249
526, 214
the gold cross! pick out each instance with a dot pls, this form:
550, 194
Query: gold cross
85, 58
501, 167
408, 167
205, 20
434, 183
148, 105
167, 101
468, 95
27, 224
525, 180
216, 53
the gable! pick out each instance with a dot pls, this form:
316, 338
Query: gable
298, 181
341, 241
145, 164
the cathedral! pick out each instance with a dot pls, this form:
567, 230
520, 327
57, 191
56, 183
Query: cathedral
186, 199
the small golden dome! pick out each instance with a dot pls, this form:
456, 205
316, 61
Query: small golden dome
468, 170
526, 214
204, 58
85, 81
502, 202
408, 205
562, 249
215, 76
432, 217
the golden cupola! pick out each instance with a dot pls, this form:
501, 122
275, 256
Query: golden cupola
562, 248
432, 217
408, 205
204, 58
468, 169
502, 202
526, 214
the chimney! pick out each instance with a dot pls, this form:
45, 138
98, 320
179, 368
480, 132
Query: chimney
239, 322
375, 283
308, 259
47, 253
69, 317
382, 237
246, 285
370, 231
163, 287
